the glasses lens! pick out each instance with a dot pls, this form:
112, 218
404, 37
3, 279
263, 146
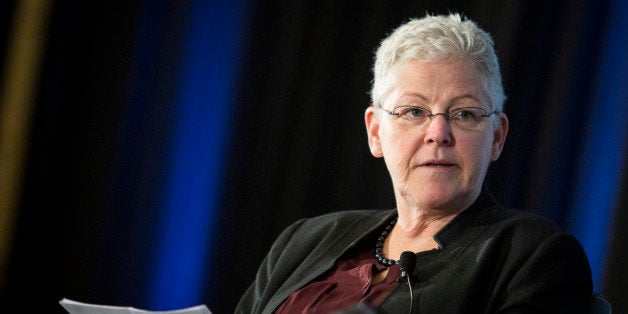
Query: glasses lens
467, 118
412, 115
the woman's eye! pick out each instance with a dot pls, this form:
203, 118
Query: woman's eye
465, 115
414, 113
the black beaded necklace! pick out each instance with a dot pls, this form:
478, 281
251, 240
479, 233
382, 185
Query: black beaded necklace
379, 245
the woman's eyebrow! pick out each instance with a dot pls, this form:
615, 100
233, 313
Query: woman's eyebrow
413, 97
464, 97
451, 102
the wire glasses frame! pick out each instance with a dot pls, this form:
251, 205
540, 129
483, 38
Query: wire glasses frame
466, 118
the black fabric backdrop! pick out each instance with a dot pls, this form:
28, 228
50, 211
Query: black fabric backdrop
298, 146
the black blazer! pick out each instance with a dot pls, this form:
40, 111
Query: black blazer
490, 260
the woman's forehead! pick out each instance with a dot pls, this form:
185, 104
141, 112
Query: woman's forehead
426, 82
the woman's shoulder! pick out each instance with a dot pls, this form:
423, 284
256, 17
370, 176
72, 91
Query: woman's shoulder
489, 214
351, 215
492, 220
339, 222
523, 220
522, 228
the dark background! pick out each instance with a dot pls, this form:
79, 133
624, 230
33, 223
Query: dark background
296, 146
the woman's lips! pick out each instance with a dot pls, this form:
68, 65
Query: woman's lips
437, 163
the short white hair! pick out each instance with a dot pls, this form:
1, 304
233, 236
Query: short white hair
437, 38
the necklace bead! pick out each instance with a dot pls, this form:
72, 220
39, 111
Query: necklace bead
379, 245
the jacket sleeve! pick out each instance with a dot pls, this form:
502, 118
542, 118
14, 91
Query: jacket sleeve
269, 277
555, 279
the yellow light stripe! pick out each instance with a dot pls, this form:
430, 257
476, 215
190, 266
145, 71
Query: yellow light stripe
17, 96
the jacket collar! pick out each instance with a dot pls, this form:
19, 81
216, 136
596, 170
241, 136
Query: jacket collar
469, 222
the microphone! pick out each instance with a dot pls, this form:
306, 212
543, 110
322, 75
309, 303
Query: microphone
407, 263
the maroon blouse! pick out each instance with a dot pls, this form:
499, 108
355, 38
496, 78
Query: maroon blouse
346, 285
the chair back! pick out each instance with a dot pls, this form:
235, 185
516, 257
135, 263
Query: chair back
600, 304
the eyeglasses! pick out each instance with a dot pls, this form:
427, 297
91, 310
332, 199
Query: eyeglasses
467, 118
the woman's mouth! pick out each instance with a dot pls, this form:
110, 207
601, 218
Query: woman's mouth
437, 164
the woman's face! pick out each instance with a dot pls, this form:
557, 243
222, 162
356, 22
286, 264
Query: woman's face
436, 165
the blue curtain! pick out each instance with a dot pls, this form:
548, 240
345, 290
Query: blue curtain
201, 120
602, 156
189, 136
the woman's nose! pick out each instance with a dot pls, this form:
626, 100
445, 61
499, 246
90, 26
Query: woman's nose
439, 130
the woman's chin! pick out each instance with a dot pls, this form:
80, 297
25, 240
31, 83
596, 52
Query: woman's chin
440, 198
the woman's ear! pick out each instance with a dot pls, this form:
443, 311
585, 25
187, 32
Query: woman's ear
371, 118
499, 136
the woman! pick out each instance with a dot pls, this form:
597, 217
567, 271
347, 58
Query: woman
437, 121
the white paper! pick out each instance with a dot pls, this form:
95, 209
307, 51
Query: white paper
74, 307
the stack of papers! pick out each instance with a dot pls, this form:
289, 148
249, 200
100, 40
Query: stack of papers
74, 307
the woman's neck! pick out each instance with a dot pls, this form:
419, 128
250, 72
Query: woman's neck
415, 232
